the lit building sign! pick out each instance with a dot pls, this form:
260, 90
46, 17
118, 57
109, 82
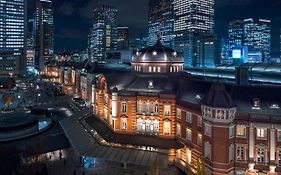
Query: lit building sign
237, 53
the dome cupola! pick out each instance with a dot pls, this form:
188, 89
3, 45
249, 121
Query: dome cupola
157, 59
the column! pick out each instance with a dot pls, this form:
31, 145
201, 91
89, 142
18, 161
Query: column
251, 148
272, 150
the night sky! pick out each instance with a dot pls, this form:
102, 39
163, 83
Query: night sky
73, 18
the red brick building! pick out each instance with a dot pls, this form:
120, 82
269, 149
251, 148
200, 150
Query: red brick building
233, 129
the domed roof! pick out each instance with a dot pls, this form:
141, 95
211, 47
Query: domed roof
157, 53
218, 97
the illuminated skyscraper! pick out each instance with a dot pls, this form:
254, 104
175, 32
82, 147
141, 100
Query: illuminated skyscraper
194, 19
122, 38
103, 34
44, 33
161, 22
257, 35
12, 36
236, 34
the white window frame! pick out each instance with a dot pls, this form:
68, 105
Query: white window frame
244, 128
188, 134
178, 113
261, 133
188, 116
199, 139
178, 130
123, 107
208, 129
231, 132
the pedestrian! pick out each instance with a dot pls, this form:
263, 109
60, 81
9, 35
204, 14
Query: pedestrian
74, 172
64, 162
60, 155
83, 173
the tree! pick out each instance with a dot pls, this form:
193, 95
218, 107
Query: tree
197, 168
8, 100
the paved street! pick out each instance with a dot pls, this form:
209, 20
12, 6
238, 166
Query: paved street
57, 167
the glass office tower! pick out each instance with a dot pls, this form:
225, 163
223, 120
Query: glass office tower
161, 22
12, 37
103, 34
194, 20
44, 33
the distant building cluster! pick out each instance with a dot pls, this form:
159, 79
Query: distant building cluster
249, 40
25, 44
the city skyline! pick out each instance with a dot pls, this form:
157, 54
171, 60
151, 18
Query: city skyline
73, 19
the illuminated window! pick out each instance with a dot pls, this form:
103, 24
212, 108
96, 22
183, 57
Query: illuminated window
260, 155
124, 123
256, 103
178, 113
240, 153
149, 69
171, 69
188, 134
167, 110
167, 127
199, 139
188, 117
154, 69
178, 130
156, 108
150, 84
188, 156
159, 69
240, 131
261, 133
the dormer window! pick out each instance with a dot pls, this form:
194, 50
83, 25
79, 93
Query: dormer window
274, 106
198, 97
175, 54
256, 103
138, 53
154, 53
150, 84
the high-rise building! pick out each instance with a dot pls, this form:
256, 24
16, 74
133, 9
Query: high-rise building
257, 35
193, 19
236, 34
30, 45
254, 34
12, 37
103, 34
161, 22
122, 38
44, 33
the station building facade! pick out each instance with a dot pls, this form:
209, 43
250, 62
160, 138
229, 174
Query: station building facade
232, 129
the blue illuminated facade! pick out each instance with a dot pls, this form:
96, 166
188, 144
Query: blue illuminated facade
103, 34
255, 34
12, 37
161, 22
194, 20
